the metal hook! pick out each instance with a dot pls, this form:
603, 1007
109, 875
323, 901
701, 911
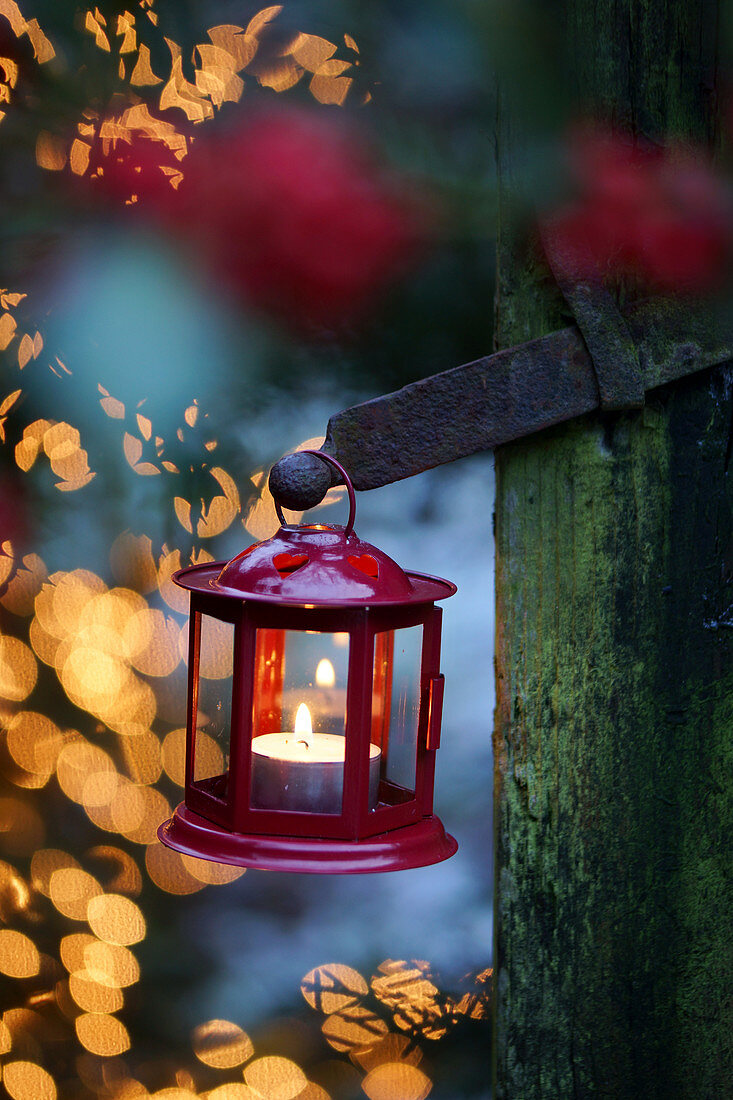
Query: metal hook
346, 480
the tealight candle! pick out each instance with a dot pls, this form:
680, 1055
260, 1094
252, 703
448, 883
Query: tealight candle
304, 770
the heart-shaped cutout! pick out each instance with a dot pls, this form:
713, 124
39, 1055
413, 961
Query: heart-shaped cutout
288, 563
366, 563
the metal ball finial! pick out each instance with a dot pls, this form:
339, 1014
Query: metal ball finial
300, 481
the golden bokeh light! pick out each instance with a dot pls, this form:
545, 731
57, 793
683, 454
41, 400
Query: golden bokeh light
313, 1092
92, 996
30, 348
72, 948
168, 871
123, 809
112, 407
99, 789
140, 826
334, 987
92, 677
476, 1003
133, 449
116, 919
8, 325
26, 1029
215, 658
103, 1077
18, 669
43, 864
94, 23
86, 631
85, 768
111, 612
34, 742
151, 641
28, 1081
7, 557
353, 1029
275, 1078
102, 1034
131, 558
210, 872
173, 1094
131, 1089
19, 957
109, 964
125, 873
141, 753
235, 1090
71, 890
6, 1039
415, 1001
24, 585
44, 644
61, 602
51, 152
173, 752
14, 893
60, 442
176, 598
221, 1044
396, 1081
392, 1048
126, 28
217, 76
142, 75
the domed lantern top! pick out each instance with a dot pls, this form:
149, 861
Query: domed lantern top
314, 706
318, 565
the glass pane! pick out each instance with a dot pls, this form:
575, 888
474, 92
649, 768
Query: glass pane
396, 703
214, 714
299, 721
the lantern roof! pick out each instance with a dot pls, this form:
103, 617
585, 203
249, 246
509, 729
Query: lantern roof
318, 565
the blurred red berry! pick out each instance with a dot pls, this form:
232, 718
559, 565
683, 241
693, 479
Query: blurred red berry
660, 215
294, 215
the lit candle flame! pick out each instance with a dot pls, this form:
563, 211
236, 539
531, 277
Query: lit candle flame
325, 674
303, 725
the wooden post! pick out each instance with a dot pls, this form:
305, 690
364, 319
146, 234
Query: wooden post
614, 657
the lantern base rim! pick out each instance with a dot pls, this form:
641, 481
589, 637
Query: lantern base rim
417, 845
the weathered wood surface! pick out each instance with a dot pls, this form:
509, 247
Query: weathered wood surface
614, 753
614, 723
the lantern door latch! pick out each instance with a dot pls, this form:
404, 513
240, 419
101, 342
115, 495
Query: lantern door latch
608, 359
435, 711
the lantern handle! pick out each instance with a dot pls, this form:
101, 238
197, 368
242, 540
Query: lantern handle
348, 530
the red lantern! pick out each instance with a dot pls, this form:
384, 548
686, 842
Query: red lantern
314, 707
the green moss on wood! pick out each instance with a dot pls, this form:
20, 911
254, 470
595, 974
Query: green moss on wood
613, 753
614, 724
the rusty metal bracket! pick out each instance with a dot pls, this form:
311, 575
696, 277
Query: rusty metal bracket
510, 394
613, 353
